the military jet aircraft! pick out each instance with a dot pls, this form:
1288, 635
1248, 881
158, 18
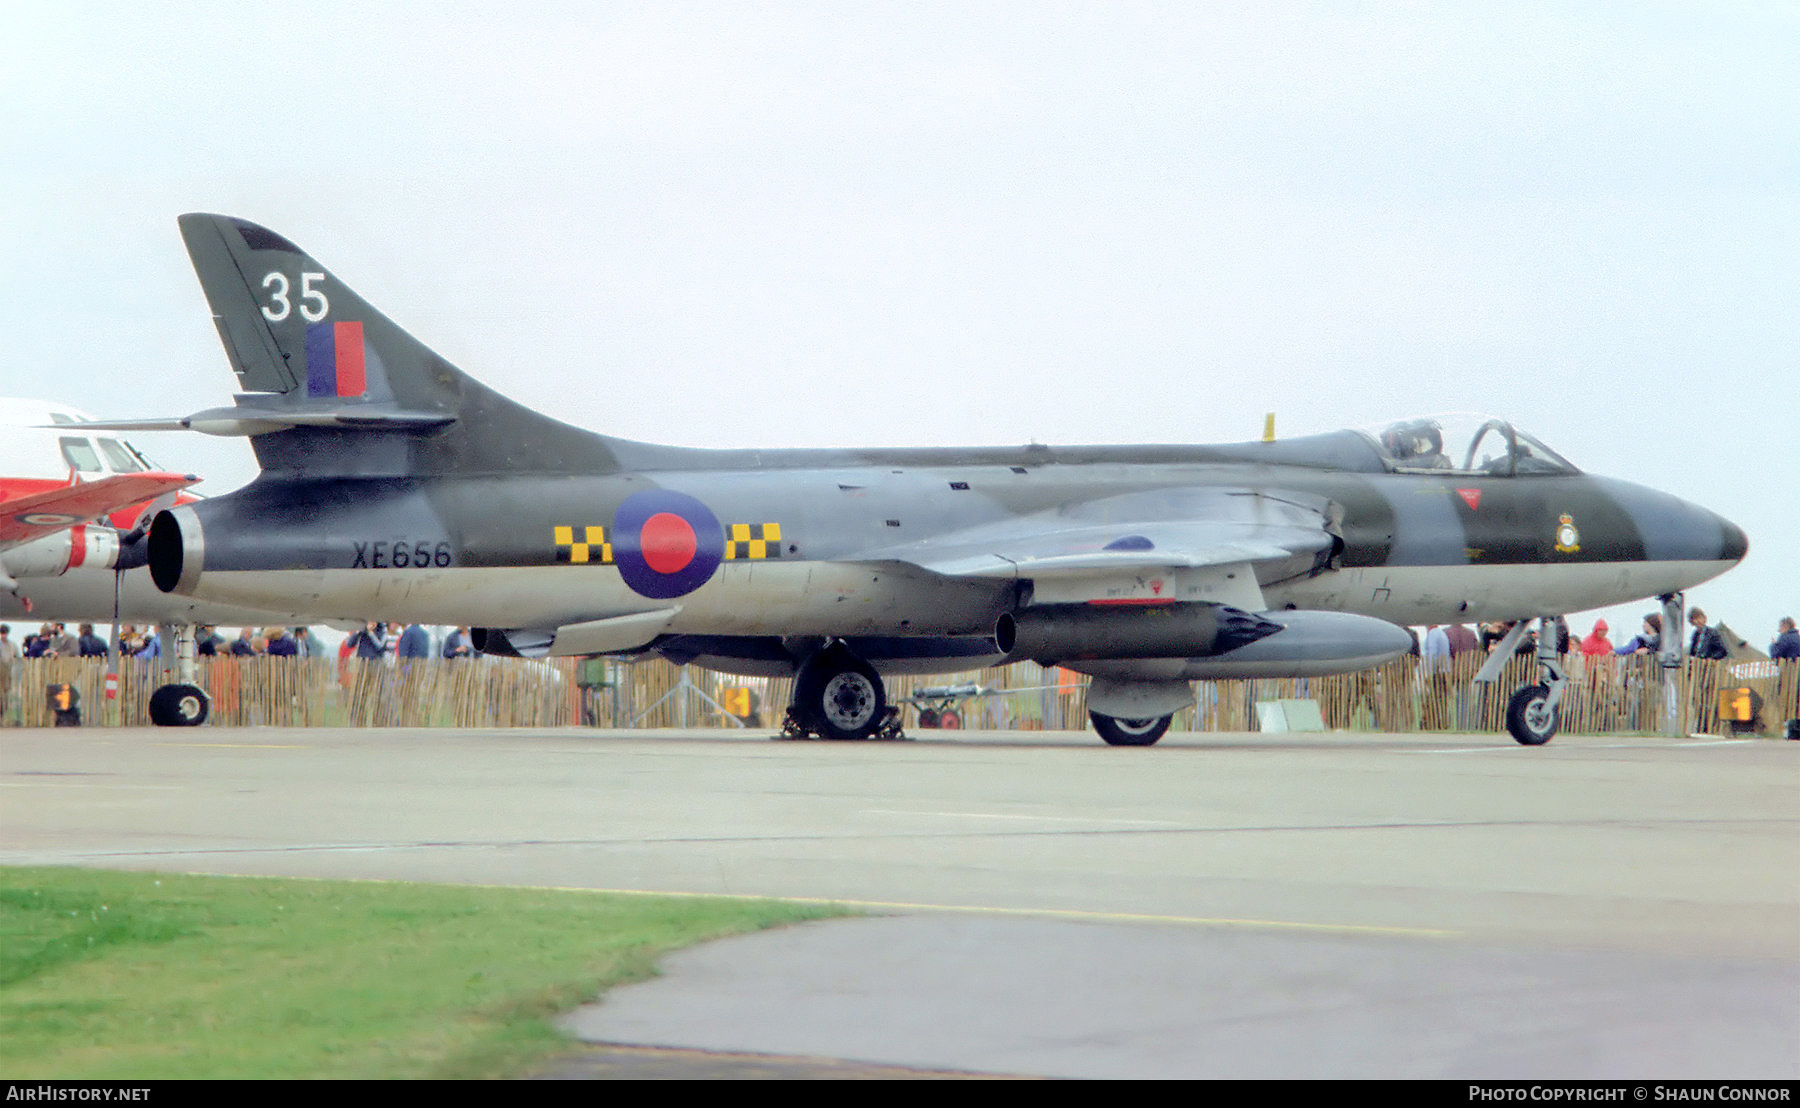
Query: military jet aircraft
392, 482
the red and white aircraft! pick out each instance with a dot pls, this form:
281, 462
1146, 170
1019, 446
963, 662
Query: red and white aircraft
53, 484
73, 502
68, 498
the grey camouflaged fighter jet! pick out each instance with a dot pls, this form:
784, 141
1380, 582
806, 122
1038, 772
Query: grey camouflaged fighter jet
393, 483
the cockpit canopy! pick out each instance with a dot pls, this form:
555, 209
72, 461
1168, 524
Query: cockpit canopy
94, 457
1463, 443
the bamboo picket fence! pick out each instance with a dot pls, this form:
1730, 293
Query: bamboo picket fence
1605, 695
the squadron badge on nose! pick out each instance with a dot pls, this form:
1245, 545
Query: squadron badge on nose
1568, 539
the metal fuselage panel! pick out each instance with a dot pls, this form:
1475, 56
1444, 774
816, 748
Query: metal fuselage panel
1460, 594
774, 548
816, 599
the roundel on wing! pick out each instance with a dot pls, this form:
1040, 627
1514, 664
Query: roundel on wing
47, 519
666, 544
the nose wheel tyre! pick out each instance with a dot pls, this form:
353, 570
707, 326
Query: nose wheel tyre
1130, 732
1529, 716
840, 696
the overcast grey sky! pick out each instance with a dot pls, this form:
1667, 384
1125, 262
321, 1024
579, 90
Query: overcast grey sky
962, 223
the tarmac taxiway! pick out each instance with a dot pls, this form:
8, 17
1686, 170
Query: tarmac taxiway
1217, 905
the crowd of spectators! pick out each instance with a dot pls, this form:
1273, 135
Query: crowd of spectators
376, 639
1705, 642
53, 640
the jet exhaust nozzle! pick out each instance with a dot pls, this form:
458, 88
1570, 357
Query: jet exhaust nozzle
175, 550
1057, 632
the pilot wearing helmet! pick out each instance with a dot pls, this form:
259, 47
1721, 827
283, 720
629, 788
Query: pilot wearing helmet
1416, 445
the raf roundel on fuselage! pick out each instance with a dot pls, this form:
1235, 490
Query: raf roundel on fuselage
666, 544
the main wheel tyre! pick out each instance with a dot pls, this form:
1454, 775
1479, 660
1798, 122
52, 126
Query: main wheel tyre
1530, 717
840, 695
1130, 732
179, 706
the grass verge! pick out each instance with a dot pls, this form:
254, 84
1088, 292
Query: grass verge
108, 975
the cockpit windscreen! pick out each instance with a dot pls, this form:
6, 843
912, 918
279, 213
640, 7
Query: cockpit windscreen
1464, 444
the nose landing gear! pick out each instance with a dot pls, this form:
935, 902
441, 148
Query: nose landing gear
1533, 713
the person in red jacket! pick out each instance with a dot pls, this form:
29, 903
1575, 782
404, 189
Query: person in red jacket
1597, 644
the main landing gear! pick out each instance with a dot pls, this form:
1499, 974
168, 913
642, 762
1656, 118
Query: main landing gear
839, 696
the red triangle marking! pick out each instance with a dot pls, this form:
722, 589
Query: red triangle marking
1471, 497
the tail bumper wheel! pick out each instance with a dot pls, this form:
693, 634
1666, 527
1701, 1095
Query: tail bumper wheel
179, 706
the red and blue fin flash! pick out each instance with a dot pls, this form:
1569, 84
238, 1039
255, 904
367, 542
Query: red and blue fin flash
335, 359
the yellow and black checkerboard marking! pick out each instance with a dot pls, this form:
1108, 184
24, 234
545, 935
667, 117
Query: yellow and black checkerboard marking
753, 541
592, 550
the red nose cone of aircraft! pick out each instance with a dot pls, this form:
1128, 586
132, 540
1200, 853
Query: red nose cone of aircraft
668, 543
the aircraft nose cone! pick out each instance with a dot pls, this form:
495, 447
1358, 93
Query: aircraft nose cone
1676, 530
1736, 544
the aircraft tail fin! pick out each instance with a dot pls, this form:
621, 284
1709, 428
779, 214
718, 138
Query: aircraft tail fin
331, 385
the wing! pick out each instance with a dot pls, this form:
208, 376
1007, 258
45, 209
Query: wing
24, 518
1111, 546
